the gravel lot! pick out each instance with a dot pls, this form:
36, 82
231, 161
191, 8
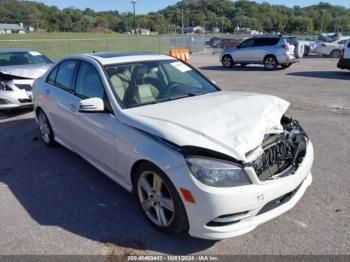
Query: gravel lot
54, 202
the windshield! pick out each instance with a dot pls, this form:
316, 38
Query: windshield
151, 82
23, 58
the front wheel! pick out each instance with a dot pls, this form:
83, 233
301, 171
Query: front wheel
270, 63
159, 200
45, 129
227, 61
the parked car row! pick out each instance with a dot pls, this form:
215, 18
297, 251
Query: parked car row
279, 51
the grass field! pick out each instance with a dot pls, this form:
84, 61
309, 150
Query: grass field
56, 45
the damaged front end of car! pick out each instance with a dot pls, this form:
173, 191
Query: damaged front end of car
15, 91
282, 153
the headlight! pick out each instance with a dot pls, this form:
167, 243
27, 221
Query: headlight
217, 173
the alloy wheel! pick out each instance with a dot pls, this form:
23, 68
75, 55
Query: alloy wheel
270, 63
155, 198
227, 61
44, 128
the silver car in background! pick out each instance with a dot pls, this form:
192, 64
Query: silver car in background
271, 51
18, 70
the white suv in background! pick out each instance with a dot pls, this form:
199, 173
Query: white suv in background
271, 51
344, 61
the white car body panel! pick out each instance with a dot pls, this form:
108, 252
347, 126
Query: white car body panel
231, 123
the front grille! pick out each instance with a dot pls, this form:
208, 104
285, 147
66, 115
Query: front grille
277, 158
23, 101
24, 86
278, 201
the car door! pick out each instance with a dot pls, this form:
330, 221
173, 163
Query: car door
257, 50
93, 134
58, 93
242, 52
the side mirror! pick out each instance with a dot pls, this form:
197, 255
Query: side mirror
92, 105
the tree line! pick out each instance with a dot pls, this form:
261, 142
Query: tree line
223, 14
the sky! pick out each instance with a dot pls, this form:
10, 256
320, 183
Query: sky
145, 6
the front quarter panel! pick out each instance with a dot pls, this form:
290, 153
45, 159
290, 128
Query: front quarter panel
133, 145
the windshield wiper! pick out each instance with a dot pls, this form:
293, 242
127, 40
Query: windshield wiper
183, 96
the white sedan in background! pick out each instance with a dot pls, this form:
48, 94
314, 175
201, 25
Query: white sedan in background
331, 49
212, 162
18, 70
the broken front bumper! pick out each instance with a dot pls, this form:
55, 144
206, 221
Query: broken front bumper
253, 204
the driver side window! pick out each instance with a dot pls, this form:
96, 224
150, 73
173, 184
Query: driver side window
88, 82
247, 43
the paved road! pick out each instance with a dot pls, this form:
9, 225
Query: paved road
54, 202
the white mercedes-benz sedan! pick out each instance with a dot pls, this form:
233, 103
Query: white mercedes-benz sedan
212, 162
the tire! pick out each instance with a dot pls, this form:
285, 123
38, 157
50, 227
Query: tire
307, 51
286, 65
227, 61
153, 188
45, 129
299, 50
270, 63
335, 53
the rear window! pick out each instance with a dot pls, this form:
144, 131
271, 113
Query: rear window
292, 40
266, 41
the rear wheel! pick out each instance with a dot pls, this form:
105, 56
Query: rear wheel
159, 200
270, 63
227, 61
46, 133
335, 54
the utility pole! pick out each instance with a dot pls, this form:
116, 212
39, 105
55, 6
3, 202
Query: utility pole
134, 3
182, 21
323, 14
222, 25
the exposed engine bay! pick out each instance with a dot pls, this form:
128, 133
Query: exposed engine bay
282, 153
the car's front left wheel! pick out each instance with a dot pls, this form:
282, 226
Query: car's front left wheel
159, 199
46, 133
227, 61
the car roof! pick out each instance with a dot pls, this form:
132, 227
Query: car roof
108, 58
14, 50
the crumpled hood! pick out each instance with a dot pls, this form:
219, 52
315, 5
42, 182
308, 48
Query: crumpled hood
25, 71
232, 123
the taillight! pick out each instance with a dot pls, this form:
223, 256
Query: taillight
323, 45
285, 47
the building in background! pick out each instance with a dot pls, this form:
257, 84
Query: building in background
12, 28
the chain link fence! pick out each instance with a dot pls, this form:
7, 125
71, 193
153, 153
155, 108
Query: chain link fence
57, 48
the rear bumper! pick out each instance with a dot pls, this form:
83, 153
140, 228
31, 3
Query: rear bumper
344, 63
287, 59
